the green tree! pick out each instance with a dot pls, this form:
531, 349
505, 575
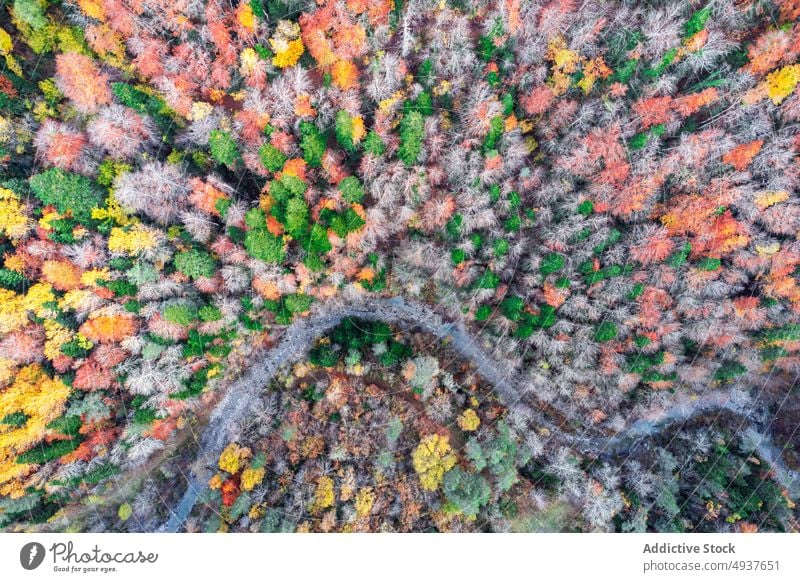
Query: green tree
12, 280
195, 263
180, 313
412, 128
272, 158
344, 130
287, 187
68, 192
318, 240
466, 491
323, 355
697, 22
223, 147
296, 217
348, 221
31, 12
551, 263
488, 280
503, 457
495, 133
261, 244
298, 303
255, 218
352, 190
605, 332
312, 142
209, 313
729, 370
512, 307
373, 144
43, 453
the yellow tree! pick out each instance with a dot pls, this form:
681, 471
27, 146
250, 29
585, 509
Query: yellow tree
39, 400
432, 459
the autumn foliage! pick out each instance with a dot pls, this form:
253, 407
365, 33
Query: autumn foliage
603, 195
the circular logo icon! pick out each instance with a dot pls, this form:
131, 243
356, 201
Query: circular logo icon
31, 555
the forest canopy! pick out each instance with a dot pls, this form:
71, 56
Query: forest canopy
603, 194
